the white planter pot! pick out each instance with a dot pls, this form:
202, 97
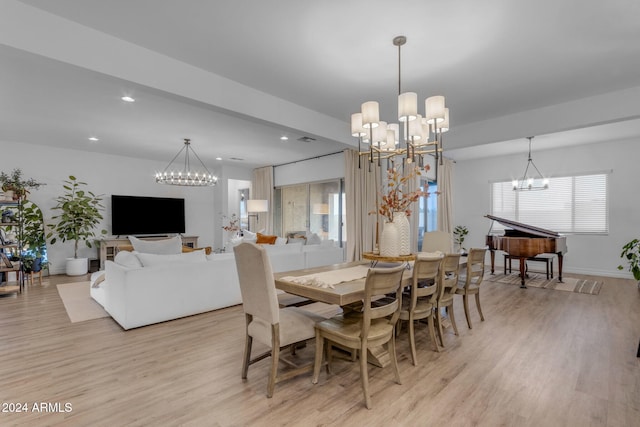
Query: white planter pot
77, 266
404, 231
390, 240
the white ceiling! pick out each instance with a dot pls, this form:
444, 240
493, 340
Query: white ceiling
306, 67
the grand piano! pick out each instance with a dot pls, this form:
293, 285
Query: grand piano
524, 241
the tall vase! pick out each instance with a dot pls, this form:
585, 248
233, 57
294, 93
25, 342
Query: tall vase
404, 231
390, 240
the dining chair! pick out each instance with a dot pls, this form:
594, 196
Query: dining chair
374, 328
448, 284
471, 286
421, 301
434, 241
275, 327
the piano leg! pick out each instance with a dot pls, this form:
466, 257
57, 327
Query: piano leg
493, 259
523, 271
559, 268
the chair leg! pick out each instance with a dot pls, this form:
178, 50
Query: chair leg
412, 341
364, 375
394, 358
465, 300
247, 356
275, 359
479, 307
318, 359
432, 331
452, 317
439, 322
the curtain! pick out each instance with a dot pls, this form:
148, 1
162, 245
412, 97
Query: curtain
361, 187
445, 198
262, 189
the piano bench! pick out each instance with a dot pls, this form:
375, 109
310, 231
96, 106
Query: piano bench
546, 258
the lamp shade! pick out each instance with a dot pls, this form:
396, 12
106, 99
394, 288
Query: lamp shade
321, 208
396, 131
257, 205
357, 129
407, 106
434, 109
415, 128
370, 114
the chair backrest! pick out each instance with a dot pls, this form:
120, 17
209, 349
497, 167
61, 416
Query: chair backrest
475, 267
257, 284
433, 241
449, 273
426, 272
381, 282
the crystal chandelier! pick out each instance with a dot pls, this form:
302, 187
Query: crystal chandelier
186, 176
528, 183
383, 138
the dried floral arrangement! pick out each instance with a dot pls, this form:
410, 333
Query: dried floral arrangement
397, 198
234, 223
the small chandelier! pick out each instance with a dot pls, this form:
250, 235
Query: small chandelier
187, 176
527, 183
384, 139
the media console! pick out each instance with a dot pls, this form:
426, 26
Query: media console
109, 246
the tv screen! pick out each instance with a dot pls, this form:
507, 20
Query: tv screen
133, 215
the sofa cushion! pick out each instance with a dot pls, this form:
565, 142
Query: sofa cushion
313, 239
97, 278
158, 247
127, 259
149, 260
265, 239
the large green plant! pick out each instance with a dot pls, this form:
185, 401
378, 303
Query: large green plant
79, 215
459, 234
631, 252
33, 237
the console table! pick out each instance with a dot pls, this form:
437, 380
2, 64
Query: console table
109, 247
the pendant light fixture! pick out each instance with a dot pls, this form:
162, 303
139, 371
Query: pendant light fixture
527, 182
187, 175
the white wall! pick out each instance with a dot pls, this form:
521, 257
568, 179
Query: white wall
107, 175
587, 254
319, 169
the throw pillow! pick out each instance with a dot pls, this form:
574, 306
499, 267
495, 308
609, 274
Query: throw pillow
313, 239
127, 259
158, 247
281, 241
149, 260
265, 239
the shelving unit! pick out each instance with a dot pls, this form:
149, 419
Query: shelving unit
7, 248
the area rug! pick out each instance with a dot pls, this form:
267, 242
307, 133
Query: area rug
78, 303
535, 280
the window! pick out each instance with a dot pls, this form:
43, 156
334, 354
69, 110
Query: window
428, 219
571, 204
315, 207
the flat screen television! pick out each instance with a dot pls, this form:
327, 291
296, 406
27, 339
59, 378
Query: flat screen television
133, 215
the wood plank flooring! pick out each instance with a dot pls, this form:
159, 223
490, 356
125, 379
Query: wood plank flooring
541, 358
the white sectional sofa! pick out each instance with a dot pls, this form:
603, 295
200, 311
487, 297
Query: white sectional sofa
169, 289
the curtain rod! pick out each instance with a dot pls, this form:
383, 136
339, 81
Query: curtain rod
310, 158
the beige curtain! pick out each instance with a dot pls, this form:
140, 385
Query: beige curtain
361, 186
262, 189
414, 220
445, 198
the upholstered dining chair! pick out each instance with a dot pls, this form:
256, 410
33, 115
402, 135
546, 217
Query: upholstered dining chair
270, 325
434, 241
471, 286
374, 328
448, 284
422, 298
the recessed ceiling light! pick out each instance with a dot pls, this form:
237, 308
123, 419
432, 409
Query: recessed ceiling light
218, 158
284, 138
128, 99
93, 138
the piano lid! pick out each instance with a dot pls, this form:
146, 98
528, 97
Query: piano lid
524, 227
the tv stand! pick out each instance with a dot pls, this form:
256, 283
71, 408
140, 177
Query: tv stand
109, 246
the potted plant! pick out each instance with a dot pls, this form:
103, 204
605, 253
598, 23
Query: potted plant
459, 234
33, 238
15, 186
631, 252
80, 214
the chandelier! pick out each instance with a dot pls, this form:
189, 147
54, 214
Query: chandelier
527, 183
383, 138
186, 176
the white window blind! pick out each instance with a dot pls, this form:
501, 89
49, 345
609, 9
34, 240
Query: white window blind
571, 204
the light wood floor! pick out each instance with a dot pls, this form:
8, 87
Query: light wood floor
541, 358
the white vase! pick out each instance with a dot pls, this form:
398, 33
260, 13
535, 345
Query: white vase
77, 266
404, 230
390, 240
